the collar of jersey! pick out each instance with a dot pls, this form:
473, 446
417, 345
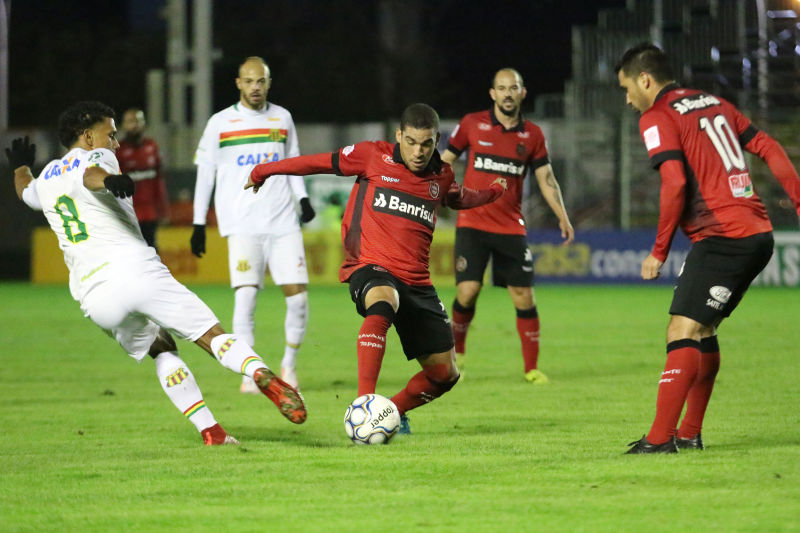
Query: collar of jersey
252, 112
667, 88
434, 165
519, 127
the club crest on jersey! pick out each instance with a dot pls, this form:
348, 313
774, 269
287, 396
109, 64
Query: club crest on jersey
523, 134
505, 166
484, 126
520, 149
433, 189
388, 159
404, 205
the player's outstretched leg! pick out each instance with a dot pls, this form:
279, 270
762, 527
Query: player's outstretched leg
244, 310
438, 376
181, 388
295, 329
699, 395
236, 355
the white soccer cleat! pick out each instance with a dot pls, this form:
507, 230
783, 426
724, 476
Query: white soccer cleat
249, 386
289, 375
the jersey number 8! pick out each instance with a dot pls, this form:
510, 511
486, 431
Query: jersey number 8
74, 228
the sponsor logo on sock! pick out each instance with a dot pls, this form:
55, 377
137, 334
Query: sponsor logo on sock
225, 347
177, 377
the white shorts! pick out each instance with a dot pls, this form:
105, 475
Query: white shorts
250, 255
138, 299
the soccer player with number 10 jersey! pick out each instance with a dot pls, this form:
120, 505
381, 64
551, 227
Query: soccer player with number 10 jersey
695, 140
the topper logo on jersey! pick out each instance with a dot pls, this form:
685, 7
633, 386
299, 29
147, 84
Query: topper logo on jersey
404, 205
64, 166
694, 102
245, 160
498, 165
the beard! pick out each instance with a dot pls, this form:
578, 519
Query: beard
509, 112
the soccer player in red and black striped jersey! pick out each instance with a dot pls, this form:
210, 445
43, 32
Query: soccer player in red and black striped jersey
695, 140
139, 158
501, 142
387, 231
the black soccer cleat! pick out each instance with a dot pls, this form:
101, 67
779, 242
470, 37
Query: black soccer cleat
694, 443
644, 446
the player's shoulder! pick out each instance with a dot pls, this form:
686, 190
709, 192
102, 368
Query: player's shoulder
278, 111
477, 117
222, 115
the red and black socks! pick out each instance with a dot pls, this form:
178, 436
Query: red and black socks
424, 387
528, 329
461, 318
372, 345
680, 371
700, 391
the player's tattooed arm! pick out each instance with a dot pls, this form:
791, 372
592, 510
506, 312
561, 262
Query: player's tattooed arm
551, 192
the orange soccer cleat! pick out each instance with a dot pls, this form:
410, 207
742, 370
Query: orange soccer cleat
283, 395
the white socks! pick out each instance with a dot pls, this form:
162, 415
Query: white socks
236, 355
244, 308
181, 388
294, 327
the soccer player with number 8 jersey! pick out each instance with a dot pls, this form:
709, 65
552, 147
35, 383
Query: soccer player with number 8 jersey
118, 279
696, 141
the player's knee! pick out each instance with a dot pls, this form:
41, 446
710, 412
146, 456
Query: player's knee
163, 343
441, 377
382, 308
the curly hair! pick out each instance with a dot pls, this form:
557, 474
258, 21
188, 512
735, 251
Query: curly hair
80, 117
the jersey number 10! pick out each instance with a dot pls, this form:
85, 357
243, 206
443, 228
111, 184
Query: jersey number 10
725, 141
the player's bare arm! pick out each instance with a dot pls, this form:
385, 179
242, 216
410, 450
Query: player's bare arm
552, 195
449, 157
22, 178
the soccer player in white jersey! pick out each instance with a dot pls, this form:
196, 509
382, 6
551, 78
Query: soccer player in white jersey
262, 230
119, 281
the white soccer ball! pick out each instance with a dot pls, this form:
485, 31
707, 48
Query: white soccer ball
371, 419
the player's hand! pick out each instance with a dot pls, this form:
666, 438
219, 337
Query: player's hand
198, 240
651, 267
502, 182
567, 232
258, 176
120, 185
307, 212
22, 153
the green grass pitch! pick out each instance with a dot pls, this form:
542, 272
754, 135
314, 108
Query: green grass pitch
90, 442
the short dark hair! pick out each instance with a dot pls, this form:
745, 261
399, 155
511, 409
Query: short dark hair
646, 57
419, 116
80, 117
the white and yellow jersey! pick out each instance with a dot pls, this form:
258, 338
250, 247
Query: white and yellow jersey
235, 140
94, 229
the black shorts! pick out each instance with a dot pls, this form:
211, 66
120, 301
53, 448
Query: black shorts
716, 274
512, 260
421, 321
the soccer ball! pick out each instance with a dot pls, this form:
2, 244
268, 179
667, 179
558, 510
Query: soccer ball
371, 419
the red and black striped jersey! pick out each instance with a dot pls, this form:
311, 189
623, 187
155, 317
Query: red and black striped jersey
706, 134
495, 151
391, 212
142, 163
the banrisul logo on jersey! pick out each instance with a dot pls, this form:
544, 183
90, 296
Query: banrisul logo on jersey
404, 205
694, 102
505, 166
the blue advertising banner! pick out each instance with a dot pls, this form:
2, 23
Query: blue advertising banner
616, 257
601, 257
